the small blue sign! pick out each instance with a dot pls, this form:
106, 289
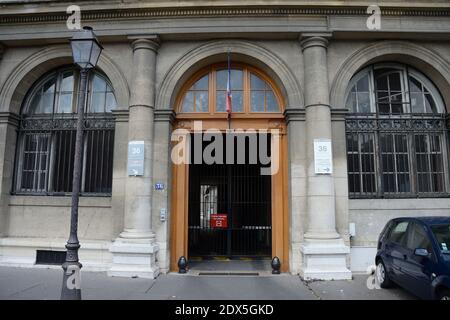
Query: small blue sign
159, 186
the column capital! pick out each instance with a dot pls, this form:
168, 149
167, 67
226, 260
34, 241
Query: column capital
9, 118
308, 40
164, 115
121, 115
294, 114
338, 114
149, 42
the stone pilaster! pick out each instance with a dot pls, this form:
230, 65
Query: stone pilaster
295, 118
161, 198
135, 250
119, 168
8, 137
2, 50
324, 252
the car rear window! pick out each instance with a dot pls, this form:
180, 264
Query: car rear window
398, 232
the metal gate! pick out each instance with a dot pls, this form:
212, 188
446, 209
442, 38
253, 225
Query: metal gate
230, 211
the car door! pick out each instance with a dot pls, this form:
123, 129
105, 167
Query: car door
396, 250
418, 270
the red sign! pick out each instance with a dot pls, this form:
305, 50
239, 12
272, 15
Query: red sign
219, 220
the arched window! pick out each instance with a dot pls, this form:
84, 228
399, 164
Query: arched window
46, 137
251, 90
396, 134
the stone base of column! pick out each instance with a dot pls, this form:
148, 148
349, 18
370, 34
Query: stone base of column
325, 260
134, 258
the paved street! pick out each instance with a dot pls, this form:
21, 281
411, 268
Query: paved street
23, 283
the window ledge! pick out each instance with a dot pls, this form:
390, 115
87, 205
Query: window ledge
58, 201
399, 204
401, 196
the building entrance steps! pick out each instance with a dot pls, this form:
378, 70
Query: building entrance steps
217, 266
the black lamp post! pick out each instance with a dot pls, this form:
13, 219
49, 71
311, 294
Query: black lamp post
85, 51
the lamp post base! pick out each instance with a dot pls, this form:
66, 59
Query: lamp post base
71, 286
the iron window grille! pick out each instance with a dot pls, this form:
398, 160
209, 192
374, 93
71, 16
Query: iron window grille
46, 138
392, 151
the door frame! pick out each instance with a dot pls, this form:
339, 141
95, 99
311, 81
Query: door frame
279, 190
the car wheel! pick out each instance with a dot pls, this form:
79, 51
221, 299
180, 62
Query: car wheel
444, 295
382, 276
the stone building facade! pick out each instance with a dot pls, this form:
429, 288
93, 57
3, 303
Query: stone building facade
380, 96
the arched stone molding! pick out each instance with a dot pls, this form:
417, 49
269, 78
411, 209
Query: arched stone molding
425, 60
29, 70
242, 51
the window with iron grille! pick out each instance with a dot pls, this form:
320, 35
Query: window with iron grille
47, 130
396, 133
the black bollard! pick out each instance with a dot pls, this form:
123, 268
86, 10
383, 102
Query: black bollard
182, 264
276, 265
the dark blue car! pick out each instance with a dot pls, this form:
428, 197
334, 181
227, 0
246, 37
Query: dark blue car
414, 253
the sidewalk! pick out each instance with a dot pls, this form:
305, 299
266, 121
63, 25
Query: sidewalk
24, 283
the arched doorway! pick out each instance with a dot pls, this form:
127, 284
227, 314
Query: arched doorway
225, 206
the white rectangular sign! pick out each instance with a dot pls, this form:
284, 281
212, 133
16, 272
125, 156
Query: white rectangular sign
136, 158
323, 159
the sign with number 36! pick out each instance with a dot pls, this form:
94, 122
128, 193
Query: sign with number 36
136, 158
323, 159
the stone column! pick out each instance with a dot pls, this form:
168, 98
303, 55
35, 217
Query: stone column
134, 251
140, 127
324, 252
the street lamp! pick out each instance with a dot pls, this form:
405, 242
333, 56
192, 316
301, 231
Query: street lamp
85, 51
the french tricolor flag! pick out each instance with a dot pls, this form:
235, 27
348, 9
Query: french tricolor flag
228, 98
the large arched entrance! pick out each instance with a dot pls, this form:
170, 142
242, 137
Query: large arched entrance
229, 196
